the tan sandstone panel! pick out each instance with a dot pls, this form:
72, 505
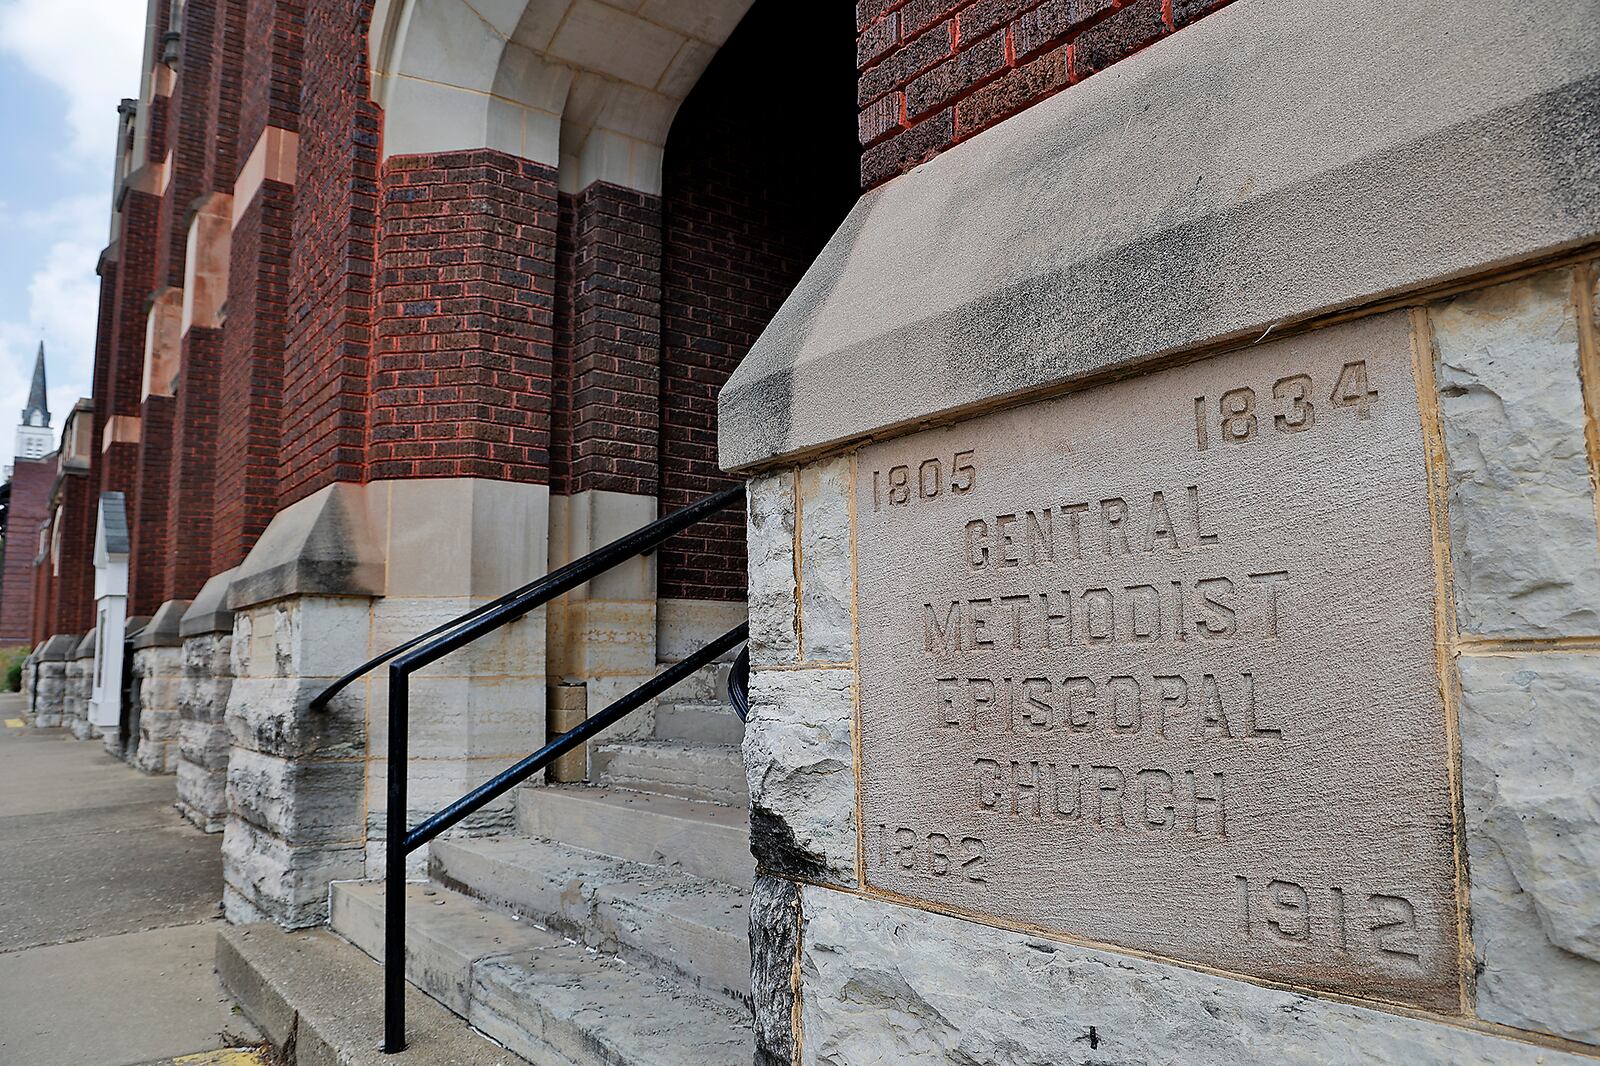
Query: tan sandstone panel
1152, 664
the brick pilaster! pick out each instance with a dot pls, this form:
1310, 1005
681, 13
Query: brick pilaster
149, 540
608, 428
326, 368
461, 367
192, 477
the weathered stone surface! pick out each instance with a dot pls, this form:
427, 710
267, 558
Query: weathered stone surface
78, 688
50, 693
209, 611
266, 879
1153, 664
827, 628
1299, 175
1522, 510
272, 715
1530, 760
203, 742
159, 672
771, 507
323, 545
50, 680
774, 954
886, 984
296, 777
301, 801
800, 769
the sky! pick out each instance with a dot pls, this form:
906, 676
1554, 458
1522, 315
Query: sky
64, 66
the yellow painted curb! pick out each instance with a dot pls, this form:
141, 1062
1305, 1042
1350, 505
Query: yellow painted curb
225, 1057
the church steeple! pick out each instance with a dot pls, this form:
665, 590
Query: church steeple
34, 439
37, 413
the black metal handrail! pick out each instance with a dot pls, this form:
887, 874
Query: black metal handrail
539, 591
411, 656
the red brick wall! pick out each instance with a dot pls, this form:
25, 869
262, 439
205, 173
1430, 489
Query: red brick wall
44, 587
104, 335
250, 376
607, 402
123, 375
935, 72
223, 96
188, 138
28, 509
274, 41
331, 278
461, 364
71, 608
189, 496
148, 532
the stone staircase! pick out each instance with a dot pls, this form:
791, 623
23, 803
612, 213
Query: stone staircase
611, 927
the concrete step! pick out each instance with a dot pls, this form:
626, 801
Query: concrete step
541, 995
701, 839
678, 924
709, 684
710, 772
699, 723
319, 1000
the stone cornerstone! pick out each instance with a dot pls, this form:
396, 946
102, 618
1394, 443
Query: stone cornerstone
1173, 567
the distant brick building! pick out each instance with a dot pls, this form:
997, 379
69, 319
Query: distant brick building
26, 494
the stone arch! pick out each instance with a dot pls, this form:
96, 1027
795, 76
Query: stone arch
586, 86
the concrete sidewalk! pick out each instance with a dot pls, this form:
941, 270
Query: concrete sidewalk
108, 911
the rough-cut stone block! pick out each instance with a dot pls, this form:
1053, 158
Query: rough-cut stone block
267, 879
1530, 762
203, 703
159, 670
1522, 512
299, 800
774, 943
770, 531
827, 629
49, 693
882, 983
271, 714
801, 773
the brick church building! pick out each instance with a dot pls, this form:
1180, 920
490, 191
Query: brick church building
436, 298
409, 303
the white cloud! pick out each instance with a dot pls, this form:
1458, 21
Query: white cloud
90, 50
64, 239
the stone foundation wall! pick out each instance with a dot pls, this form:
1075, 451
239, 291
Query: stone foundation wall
203, 732
75, 697
847, 973
296, 778
50, 692
159, 679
